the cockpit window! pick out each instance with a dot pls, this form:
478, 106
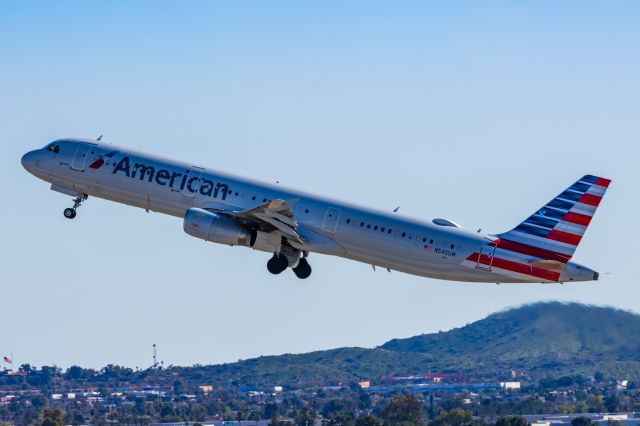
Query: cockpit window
53, 148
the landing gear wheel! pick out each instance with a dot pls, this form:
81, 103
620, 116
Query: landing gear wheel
277, 264
303, 270
69, 213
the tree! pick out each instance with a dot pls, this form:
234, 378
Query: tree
336, 406
403, 408
270, 410
74, 418
611, 402
595, 403
581, 421
455, 417
53, 417
178, 387
305, 417
339, 419
368, 420
39, 401
74, 373
512, 421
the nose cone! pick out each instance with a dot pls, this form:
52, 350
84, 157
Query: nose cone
29, 161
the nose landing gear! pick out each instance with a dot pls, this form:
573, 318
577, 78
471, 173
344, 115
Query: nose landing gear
70, 212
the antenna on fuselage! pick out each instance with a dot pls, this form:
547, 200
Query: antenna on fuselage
99, 138
396, 209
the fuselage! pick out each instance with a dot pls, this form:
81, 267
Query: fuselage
383, 239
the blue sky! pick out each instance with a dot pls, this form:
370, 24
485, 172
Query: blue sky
478, 112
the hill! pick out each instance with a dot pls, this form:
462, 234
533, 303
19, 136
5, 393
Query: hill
543, 339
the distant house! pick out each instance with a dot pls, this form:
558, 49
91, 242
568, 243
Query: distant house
206, 389
510, 385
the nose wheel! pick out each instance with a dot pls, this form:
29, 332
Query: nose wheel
70, 212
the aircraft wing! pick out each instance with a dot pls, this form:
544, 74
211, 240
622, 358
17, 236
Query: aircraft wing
273, 214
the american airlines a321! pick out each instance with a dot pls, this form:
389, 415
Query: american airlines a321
319, 213
293, 226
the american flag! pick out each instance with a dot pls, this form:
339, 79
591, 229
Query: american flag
8, 360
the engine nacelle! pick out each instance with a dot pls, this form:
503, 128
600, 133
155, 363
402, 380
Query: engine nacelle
216, 228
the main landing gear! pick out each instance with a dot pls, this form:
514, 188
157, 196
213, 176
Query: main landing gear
303, 269
70, 212
279, 263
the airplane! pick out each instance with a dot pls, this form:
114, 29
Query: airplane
290, 224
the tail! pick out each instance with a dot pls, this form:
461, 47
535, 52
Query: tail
554, 231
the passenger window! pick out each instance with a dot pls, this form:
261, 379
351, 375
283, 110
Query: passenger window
382, 229
404, 234
368, 226
348, 220
375, 228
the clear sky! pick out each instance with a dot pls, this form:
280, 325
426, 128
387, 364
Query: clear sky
475, 111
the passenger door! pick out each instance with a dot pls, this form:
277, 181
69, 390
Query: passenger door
80, 157
486, 251
331, 219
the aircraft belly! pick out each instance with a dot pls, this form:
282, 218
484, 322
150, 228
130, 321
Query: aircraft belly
412, 259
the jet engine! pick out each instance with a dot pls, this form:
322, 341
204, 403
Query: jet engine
217, 228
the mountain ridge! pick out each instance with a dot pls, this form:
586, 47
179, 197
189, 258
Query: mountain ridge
543, 339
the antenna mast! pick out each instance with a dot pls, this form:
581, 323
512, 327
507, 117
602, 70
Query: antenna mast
155, 357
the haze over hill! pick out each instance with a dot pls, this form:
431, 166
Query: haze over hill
544, 339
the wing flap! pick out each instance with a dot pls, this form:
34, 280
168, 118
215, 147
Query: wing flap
277, 214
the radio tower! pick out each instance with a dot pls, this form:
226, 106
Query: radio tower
155, 357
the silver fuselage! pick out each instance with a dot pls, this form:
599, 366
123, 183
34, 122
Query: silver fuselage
386, 240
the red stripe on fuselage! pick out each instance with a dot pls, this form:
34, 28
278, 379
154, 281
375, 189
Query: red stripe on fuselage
577, 218
532, 251
564, 237
520, 268
97, 164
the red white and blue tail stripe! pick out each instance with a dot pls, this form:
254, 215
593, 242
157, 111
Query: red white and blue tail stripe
538, 247
554, 231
